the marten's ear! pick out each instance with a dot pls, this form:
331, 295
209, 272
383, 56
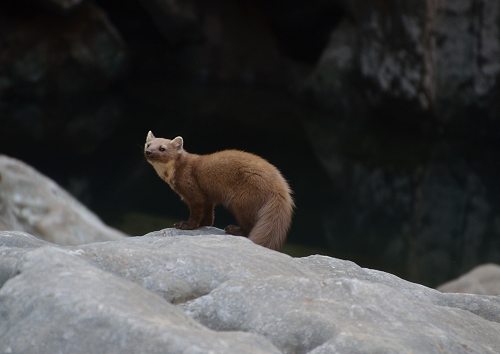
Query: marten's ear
149, 137
178, 142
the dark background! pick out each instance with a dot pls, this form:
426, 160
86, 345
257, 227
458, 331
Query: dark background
383, 115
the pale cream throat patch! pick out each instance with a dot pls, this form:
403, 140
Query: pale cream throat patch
166, 171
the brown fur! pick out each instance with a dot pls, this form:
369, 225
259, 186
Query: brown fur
252, 189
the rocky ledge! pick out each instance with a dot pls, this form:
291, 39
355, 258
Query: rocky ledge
204, 292
33, 203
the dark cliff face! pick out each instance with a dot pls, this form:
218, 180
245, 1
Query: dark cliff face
383, 115
413, 90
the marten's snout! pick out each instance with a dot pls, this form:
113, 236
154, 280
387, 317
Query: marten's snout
148, 154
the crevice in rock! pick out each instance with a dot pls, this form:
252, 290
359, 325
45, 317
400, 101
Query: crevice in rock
480, 308
185, 299
4, 280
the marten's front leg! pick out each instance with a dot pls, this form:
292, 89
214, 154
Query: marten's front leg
196, 213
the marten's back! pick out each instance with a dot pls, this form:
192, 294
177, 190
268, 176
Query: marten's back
229, 174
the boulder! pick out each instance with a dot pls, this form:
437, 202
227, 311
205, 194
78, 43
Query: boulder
200, 291
33, 203
79, 308
483, 279
438, 57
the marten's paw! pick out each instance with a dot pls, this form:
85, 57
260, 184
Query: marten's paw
234, 230
184, 225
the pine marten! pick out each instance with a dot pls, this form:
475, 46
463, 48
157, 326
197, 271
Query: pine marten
252, 189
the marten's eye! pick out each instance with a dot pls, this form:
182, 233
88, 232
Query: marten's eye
162, 148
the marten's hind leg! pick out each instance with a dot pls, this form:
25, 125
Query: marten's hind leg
245, 224
208, 216
234, 230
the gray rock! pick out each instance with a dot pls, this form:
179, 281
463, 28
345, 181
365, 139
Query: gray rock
484, 280
198, 291
329, 313
33, 203
75, 307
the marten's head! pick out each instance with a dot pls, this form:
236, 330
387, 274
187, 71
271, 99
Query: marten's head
162, 150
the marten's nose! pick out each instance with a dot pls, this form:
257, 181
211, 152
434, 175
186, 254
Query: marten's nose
148, 153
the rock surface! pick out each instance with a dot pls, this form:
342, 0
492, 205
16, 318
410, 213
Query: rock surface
484, 280
35, 204
199, 291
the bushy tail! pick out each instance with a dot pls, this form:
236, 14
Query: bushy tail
273, 222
